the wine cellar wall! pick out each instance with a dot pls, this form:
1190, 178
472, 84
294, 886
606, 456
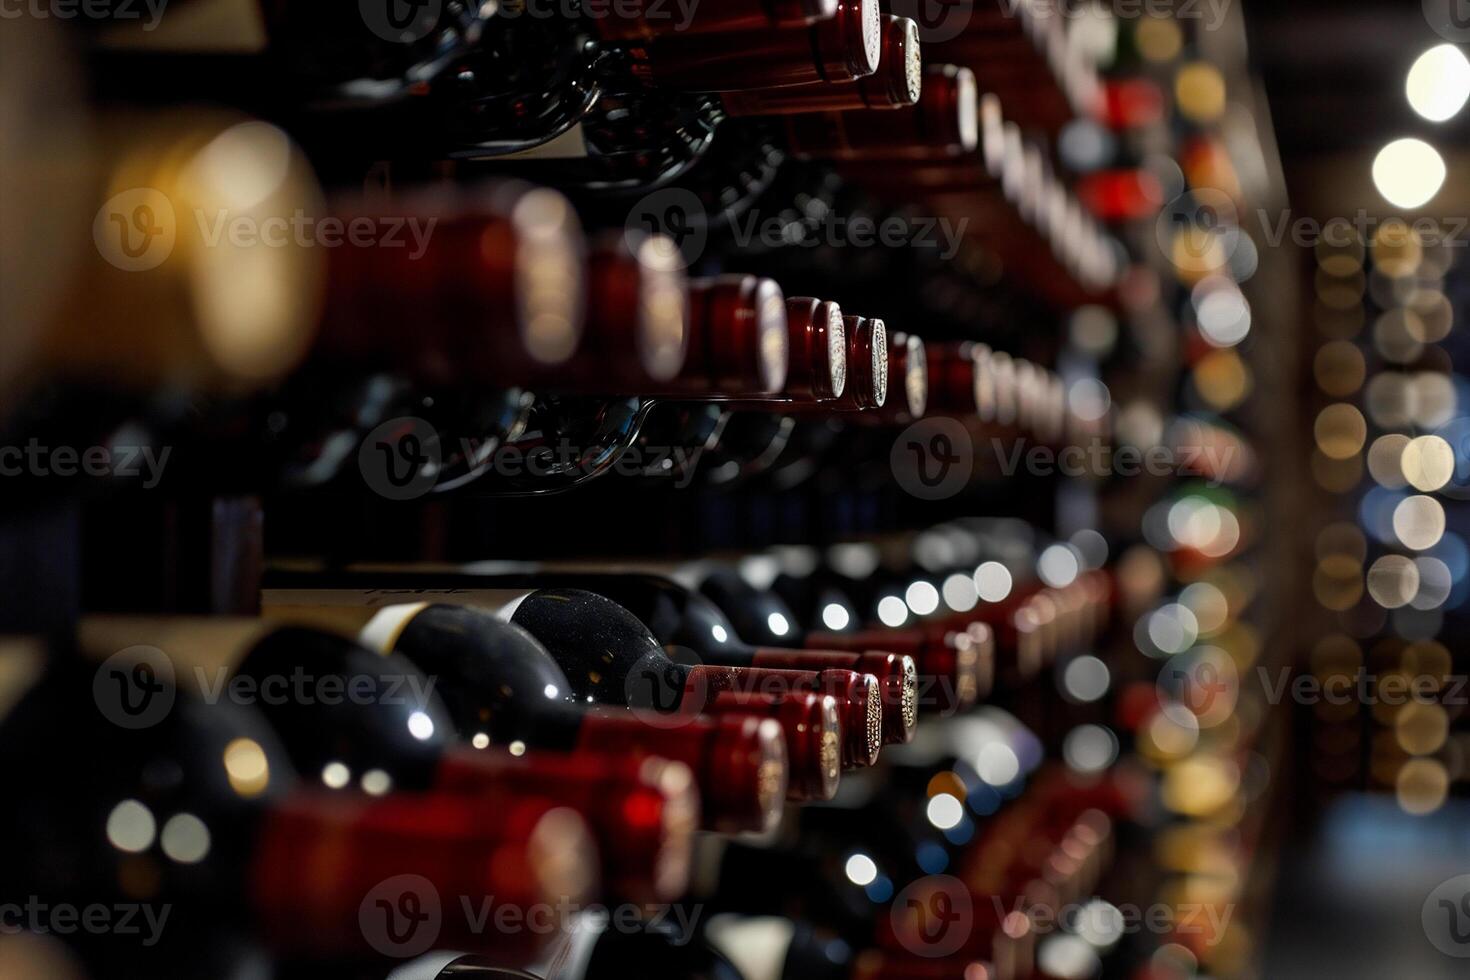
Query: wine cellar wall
705, 490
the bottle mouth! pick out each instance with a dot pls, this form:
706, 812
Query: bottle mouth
836, 351
549, 275
916, 376
773, 344
879, 347
750, 774
561, 855
869, 22
663, 308
814, 739
992, 135
909, 700
907, 81
967, 99
1003, 375
830, 752
675, 801
872, 720
525, 851
984, 383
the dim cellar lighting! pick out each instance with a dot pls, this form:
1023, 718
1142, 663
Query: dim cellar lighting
1439, 83
1408, 172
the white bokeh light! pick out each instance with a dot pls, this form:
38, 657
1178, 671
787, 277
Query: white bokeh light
1439, 83
1408, 172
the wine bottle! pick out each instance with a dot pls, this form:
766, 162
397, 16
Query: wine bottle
649, 19
818, 343
904, 380
769, 622
196, 805
739, 345
867, 366
944, 123
497, 297
609, 653
843, 47
644, 611
504, 689
393, 730
578, 631
896, 83
954, 665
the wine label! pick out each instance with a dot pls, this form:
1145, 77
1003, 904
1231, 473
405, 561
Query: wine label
570, 145
382, 631
355, 610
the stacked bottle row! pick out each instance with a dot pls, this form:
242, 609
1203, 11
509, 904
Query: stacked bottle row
545, 736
